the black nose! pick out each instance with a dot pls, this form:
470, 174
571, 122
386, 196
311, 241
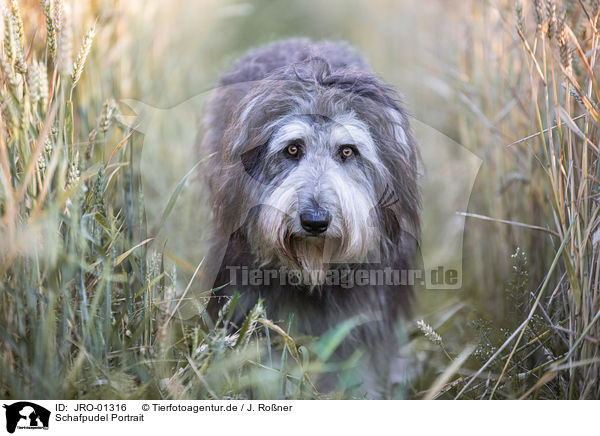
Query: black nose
315, 221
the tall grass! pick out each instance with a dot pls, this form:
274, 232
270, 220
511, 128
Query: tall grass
89, 299
88, 307
529, 85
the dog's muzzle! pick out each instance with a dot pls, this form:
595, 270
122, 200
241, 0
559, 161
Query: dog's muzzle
315, 221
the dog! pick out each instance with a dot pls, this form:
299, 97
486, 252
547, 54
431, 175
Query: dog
313, 178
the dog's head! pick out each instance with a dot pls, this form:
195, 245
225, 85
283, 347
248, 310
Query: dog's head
328, 159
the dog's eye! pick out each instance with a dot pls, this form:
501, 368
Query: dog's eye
347, 151
293, 150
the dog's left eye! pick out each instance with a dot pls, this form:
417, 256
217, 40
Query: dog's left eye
346, 151
293, 150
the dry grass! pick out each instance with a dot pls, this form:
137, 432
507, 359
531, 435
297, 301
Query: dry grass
92, 263
529, 85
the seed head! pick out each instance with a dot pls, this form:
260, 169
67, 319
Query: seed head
9, 36
73, 173
519, 20
108, 111
48, 146
25, 112
538, 11
565, 53
42, 163
429, 332
90, 147
20, 64
84, 51
33, 82
58, 14
7, 69
9, 112
551, 10
44, 88
18, 22
50, 28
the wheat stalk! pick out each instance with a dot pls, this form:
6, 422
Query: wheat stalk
50, 29
84, 51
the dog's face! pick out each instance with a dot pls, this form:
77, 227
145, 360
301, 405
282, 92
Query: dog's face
318, 194
317, 169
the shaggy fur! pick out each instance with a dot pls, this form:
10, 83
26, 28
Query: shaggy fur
319, 96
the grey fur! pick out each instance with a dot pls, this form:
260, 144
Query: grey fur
320, 93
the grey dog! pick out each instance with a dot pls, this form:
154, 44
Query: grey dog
314, 171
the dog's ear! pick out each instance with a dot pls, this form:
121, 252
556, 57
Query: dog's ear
381, 108
252, 160
399, 153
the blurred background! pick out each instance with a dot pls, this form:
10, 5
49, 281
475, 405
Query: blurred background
482, 79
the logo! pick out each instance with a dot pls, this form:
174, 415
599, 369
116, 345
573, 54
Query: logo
26, 415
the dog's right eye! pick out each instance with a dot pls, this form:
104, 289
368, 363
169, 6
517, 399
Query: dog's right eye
293, 150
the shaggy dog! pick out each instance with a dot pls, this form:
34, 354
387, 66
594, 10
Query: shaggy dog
313, 179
